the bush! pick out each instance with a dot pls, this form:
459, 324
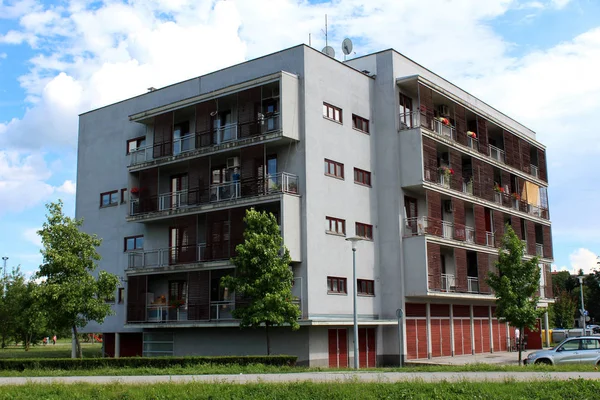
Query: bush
141, 362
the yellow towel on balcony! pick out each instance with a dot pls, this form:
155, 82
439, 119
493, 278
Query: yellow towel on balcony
531, 193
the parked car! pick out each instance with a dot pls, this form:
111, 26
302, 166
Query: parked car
595, 329
578, 350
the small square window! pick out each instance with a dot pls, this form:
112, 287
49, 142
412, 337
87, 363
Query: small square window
108, 199
134, 243
365, 287
362, 177
335, 225
364, 230
135, 144
332, 112
360, 123
336, 285
335, 169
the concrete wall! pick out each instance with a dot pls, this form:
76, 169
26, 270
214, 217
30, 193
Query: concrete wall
411, 154
415, 266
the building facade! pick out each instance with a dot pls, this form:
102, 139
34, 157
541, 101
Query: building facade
377, 147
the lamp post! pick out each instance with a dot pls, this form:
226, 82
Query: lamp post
582, 305
354, 240
4, 277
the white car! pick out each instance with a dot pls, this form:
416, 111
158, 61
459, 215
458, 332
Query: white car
577, 350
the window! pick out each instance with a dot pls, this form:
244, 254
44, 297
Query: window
360, 123
335, 225
590, 344
332, 112
336, 285
136, 143
334, 169
362, 177
120, 295
571, 345
123, 191
364, 230
405, 111
108, 199
134, 243
365, 287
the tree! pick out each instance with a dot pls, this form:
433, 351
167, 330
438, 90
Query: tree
263, 276
516, 285
71, 294
564, 308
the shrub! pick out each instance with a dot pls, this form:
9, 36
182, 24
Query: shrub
141, 362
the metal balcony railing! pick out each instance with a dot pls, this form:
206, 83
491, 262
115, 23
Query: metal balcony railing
473, 143
469, 234
468, 187
409, 120
221, 310
472, 284
201, 252
497, 154
282, 182
447, 230
448, 283
539, 250
233, 132
489, 239
446, 130
419, 226
534, 170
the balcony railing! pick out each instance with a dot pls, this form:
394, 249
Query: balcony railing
472, 284
534, 170
468, 187
409, 120
497, 154
539, 250
221, 310
214, 137
445, 180
448, 283
446, 130
447, 230
201, 252
469, 234
271, 184
473, 143
489, 239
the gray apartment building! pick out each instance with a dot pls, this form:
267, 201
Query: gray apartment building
377, 147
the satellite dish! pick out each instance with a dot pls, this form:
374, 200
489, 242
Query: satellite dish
329, 51
347, 46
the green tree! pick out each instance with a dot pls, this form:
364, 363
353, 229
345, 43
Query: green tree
263, 276
516, 285
6, 316
563, 281
71, 293
564, 308
592, 295
28, 316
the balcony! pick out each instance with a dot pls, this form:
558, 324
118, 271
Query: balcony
419, 226
539, 250
469, 234
197, 143
473, 143
468, 188
497, 154
441, 127
221, 310
179, 255
447, 230
489, 239
472, 284
448, 283
189, 200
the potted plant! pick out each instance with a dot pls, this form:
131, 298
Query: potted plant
445, 174
292, 187
134, 190
472, 134
176, 303
516, 198
498, 188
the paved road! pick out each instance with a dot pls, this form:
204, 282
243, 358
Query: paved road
315, 377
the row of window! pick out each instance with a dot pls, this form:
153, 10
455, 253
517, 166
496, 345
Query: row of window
335, 114
338, 226
336, 169
108, 199
337, 285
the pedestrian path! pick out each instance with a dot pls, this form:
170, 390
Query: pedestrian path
384, 377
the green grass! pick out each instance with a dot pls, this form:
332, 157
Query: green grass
60, 350
576, 389
266, 369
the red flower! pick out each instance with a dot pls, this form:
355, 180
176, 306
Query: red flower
135, 190
451, 171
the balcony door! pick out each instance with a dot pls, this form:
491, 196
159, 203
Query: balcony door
182, 248
182, 138
405, 111
410, 206
179, 187
218, 240
223, 128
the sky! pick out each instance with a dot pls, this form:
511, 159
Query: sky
536, 61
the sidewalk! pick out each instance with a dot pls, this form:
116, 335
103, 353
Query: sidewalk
384, 377
501, 357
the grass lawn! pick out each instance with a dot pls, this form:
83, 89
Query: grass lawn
62, 349
264, 369
577, 389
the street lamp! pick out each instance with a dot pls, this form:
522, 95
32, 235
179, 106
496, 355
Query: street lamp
4, 277
354, 240
582, 305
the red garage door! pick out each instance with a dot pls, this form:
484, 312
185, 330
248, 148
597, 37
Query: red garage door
477, 335
338, 348
366, 348
416, 338
462, 336
503, 336
440, 337
485, 331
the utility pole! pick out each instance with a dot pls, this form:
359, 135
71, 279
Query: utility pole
4, 277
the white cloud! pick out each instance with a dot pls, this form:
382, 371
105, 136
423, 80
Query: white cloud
32, 236
68, 187
559, 3
581, 259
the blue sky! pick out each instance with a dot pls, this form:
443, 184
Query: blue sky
537, 61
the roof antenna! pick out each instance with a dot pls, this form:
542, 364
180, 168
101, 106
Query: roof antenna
327, 49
